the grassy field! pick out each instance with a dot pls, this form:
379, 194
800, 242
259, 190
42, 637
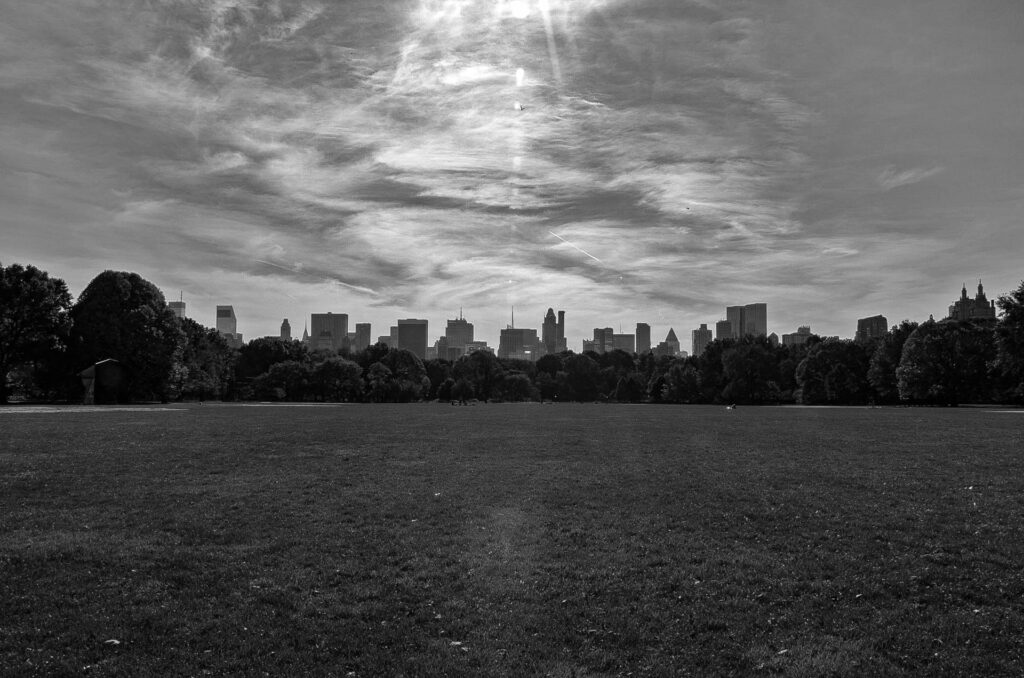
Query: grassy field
511, 540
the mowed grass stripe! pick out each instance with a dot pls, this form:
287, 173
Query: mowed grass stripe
512, 540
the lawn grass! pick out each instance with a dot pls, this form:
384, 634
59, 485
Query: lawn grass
512, 540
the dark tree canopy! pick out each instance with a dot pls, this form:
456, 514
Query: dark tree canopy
947, 363
34, 318
1010, 341
120, 315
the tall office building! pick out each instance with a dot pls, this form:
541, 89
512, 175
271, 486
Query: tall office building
669, 347
874, 327
227, 326
458, 333
623, 342
362, 340
553, 332
751, 319
178, 307
517, 343
328, 331
700, 338
604, 339
412, 336
723, 329
978, 308
549, 332
643, 338
286, 330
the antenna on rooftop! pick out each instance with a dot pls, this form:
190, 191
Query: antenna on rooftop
513, 317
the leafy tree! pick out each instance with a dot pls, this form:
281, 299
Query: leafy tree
629, 389
482, 370
34, 318
287, 380
834, 371
120, 315
682, 383
1010, 341
516, 387
438, 371
259, 355
462, 390
337, 380
582, 377
749, 372
947, 363
885, 360
550, 363
379, 384
204, 363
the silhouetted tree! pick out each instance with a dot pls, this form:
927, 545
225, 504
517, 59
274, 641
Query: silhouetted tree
287, 380
337, 380
257, 356
834, 371
1010, 342
682, 383
204, 362
481, 369
582, 377
516, 387
122, 316
34, 318
947, 363
885, 359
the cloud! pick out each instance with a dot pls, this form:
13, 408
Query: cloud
891, 178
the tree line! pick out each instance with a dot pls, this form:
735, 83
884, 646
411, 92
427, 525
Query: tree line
46, 340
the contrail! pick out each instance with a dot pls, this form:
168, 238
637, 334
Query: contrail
575, 247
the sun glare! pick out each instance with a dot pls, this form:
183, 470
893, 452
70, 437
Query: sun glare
520, 9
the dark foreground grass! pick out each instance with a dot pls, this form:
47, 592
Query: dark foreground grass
512, 540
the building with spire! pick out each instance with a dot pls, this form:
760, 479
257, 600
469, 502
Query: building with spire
670, 346
286, 330
978, 308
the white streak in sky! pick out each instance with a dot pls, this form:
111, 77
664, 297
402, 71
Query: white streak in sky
575, 247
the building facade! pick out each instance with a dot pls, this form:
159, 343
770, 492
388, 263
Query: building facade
700, 338
802, 334
751, 319
978, 308
178, 308
643, 338
518, 343
286, 330
227, 326
362, 340
412, 336
874, 327
328, 331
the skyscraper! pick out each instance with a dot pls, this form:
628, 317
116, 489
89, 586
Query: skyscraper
700, 338
517, 343
560, 343
328, 331
751, 319
227, 326
459, 332
798, 338
412, 336
178, 307
286, 330
549, 332
874, 327
643, 338
362, 341
723, 329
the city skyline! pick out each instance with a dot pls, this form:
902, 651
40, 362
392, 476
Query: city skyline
641, 161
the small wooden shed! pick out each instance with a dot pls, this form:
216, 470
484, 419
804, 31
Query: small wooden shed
105, 382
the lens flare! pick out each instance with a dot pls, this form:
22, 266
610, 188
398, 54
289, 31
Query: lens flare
520, 77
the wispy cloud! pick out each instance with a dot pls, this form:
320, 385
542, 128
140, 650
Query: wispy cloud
891, 178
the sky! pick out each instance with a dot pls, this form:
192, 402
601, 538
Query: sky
624, 160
